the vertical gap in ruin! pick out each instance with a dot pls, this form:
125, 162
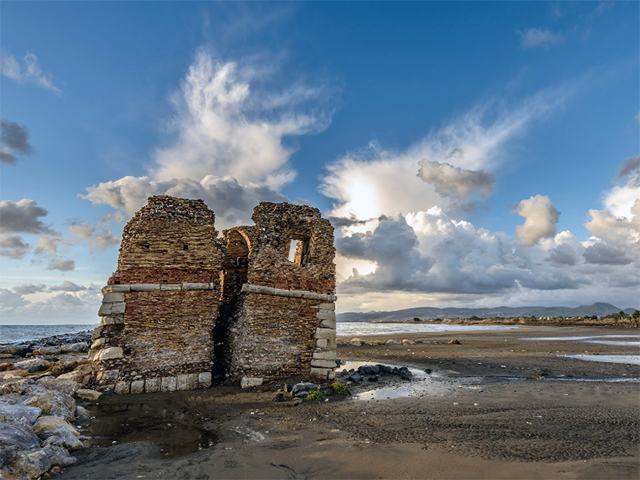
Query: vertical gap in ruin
293, 247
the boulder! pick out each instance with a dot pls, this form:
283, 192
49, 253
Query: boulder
60, 385
391, 341
7, 454
88, 395
47, 422
33, 362
303, 387
49, 350
16, 412
61, 437
52, 402
355, 377
30, 465
279, 397
39, 368
79, 347
58, 456
82, 374
356, 342
17, 434
246, 382
82, 413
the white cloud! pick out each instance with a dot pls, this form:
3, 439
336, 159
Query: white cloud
48, 245
102, 239
13, 246
450, 180
537, 37
67, 286
29, 289
23, 217
27, 71
226, 141
374, 181
62, 265
541, 218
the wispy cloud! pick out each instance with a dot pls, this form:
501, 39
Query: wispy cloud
27, 70
62, 265
537, 37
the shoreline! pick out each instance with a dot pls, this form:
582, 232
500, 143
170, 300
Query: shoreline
520, 412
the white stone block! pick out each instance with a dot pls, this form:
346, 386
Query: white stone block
111, 353
98, 343
325, 355
325, 333
247, 382
204, 380
113, 297
323, 363
187, 381
152, 385
328, 324
195, 286
168, 384
146, 287
122, 388
322, 343
326, 315
137, 386
116, 288
321, 372
170, 287
327, 306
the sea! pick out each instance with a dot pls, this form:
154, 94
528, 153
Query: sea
30, 333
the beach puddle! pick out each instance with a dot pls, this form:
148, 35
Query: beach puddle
600, 339
389, 387
620, 359
176, 431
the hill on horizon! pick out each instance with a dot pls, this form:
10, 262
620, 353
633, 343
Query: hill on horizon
599, 309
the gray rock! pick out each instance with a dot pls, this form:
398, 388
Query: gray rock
82, 413
65, 386
7, 454
53, 350
76, 348
279, 397
17, 434
15, 412
355, 377
303, 387
30, 465
61, 437
52, 402
58, 456
27, 364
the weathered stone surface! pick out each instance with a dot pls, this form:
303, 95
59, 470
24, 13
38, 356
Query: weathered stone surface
48, 422
18, 434
82, 413
175, 281
34, 362
323, 363
325, 355
168, 384
137, 386
88, 394
152, 385
204, 379
52, 402
61, 437
58, 456
17, 412
30, 464
246, 382
70, 387
122, 388
79, 347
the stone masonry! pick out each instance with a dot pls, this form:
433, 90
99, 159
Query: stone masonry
185, 308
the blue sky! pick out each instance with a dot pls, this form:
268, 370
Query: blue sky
469, 153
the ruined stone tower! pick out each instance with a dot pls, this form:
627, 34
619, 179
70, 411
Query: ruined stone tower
184, 305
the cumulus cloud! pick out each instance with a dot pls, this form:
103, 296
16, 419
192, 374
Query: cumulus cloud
23, 217
374, 181
27, 71
62, 265
15, 141
540, 217
102, 239
450, 180
227, 141
79, 306
29, 288
537, 37
67, 286
13, 246
48, 245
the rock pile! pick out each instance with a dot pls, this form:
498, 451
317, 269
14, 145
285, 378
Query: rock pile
373, 372
38, 383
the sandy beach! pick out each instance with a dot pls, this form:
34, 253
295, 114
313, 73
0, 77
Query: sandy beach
494, 406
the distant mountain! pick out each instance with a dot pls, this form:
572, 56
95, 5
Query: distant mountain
599, 309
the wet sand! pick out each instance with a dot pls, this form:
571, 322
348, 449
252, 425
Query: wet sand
494, 407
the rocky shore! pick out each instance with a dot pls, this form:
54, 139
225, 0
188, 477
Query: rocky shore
42, 416
475, 405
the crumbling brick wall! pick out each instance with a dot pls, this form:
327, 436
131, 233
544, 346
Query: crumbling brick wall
184, 304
